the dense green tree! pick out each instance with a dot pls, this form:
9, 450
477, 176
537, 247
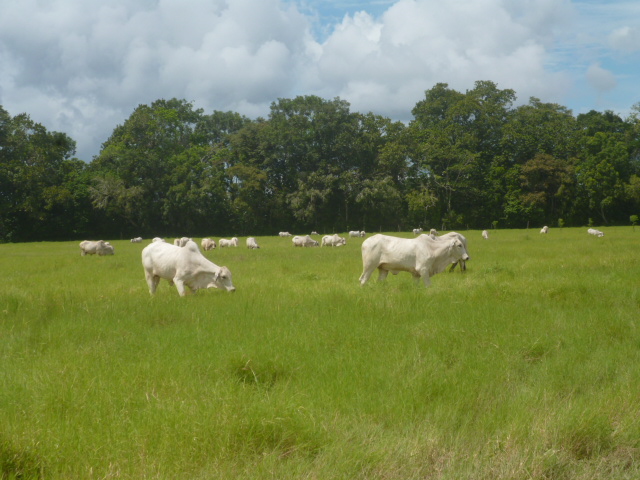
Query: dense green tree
161, 170
602, 174
456, 137
465, 160
37, 175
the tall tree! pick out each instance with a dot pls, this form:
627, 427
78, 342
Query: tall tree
36, 171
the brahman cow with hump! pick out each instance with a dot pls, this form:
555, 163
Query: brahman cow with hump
447, 236
306, 241
184, 267
228, 243
208, 244
252, 244
334, 240
181, 242
100, 247
422, 256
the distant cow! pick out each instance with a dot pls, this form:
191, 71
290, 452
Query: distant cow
356, 233
417, 231
100, 247
305, 241
251, 243
208, 244
597, 233
433, 232
228, 243
181, 242
422, 256
485, 234
136, 240
314, 233
544, 229
184, 267
284, 234
334, 240
157, 239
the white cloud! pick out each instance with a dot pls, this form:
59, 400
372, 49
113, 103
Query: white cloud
600, 79
82, 66
387, 64
626, 39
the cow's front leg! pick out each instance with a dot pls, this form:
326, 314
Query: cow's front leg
179, 286
424, 274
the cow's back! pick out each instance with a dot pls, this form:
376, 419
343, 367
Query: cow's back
161, 259
387, 249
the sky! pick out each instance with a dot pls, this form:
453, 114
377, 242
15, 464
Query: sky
83, 66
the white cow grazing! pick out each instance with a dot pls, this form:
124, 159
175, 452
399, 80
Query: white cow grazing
157, 239
334, 240
544, 229
228, 243
485, 234
184, 267
449, 236
208, 244
354, 233
100, 247
136, 240
417, 231
305, 241
284, 234
251, 243
597, 233
422, 256
181, 242
314, 233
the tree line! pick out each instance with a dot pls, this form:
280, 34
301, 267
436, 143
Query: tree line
465, 160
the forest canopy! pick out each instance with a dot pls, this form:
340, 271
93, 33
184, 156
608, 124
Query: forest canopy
465, 160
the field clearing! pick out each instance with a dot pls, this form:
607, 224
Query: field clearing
526, 366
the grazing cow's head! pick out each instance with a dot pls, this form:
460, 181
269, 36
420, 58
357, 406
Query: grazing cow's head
222, 279
458, 251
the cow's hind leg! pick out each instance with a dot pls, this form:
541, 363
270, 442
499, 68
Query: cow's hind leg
382, 274
366, 274
152, 282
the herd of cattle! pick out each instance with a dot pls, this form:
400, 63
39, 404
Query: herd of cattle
183, 264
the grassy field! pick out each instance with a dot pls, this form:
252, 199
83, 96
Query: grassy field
526, 366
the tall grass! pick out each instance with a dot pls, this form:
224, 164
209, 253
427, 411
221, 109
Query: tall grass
526, 366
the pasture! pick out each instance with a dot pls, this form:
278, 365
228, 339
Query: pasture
526, 366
